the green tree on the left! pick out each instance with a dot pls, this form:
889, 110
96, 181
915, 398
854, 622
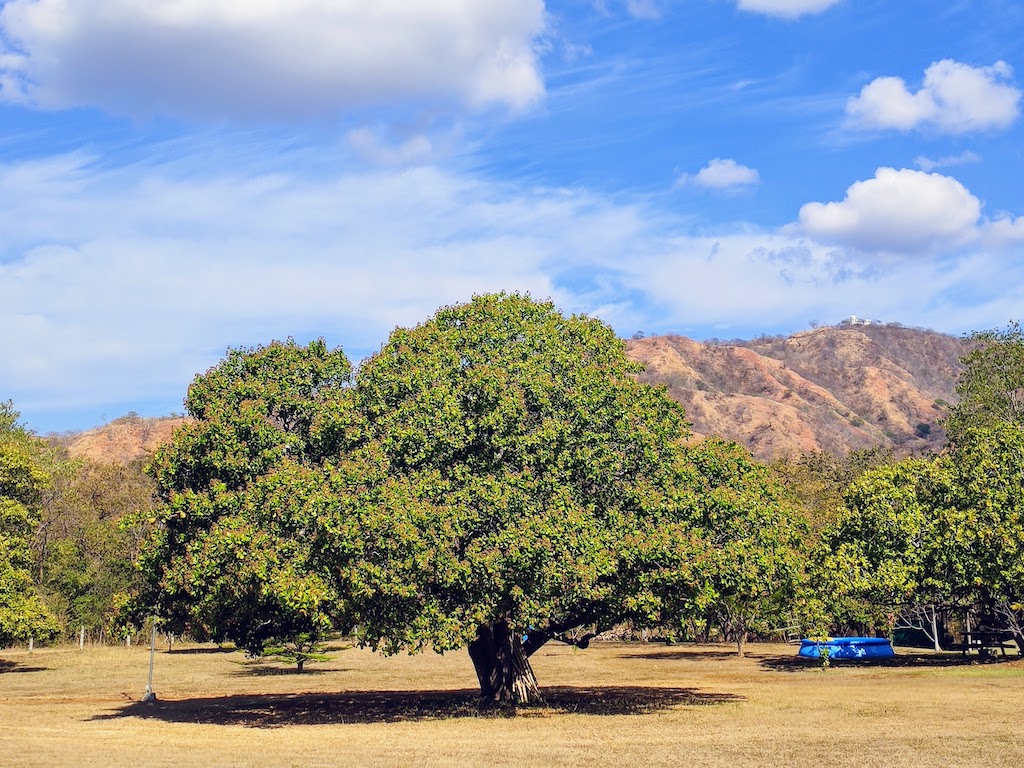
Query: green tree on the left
22, 481
228, 558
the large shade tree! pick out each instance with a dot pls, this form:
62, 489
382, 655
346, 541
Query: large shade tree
879, 556
508, 482
496, 479
980, 548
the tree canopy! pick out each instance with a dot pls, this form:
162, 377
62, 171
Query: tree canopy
22, 481
991, 387
85, 545
518, 481
753, 571
227, 558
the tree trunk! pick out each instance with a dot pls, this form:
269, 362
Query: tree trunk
935, 629
502, 668
741, 639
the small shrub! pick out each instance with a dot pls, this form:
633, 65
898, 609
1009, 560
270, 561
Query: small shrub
296, 650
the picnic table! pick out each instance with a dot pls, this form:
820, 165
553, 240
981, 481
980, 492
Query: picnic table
987, 641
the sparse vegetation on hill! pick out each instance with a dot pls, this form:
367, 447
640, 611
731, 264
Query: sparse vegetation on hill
833, 389
122, 441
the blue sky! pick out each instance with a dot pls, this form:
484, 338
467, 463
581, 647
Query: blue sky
180, 176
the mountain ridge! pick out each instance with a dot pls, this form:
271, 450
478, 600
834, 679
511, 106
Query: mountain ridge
834, 388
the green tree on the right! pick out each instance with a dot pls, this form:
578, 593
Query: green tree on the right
986, 435
945, 531
991, 387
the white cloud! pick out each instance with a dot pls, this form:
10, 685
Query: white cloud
897, 211
722, 174
954, 98
950, 161
276, 59
786, 8
1004, 230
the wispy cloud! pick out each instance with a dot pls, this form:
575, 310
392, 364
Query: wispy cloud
369, 144
786, 8
643, 9
118, 283
949, 161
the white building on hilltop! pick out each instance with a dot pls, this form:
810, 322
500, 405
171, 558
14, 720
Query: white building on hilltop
854, 320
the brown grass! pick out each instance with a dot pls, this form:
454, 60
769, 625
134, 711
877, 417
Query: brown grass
610, 705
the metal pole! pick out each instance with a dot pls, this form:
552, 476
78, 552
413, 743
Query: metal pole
150, 696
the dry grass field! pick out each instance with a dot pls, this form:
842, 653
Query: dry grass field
614, 704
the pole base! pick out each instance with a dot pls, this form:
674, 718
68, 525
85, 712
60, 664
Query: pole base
149, 698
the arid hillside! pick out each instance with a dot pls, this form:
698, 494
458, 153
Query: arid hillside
123, 440
833, 389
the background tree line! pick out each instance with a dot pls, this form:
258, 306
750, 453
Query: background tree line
497, 478
69, 538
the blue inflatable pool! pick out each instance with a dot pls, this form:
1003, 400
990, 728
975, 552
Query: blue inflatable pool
848, 648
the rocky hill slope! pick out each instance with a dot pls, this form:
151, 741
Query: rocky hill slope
831, 389
123, 440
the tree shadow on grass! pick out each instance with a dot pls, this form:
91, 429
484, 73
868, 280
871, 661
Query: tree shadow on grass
629, 700
12, 667
280, 710
681, 654
904, 660
198, 651
248, 669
